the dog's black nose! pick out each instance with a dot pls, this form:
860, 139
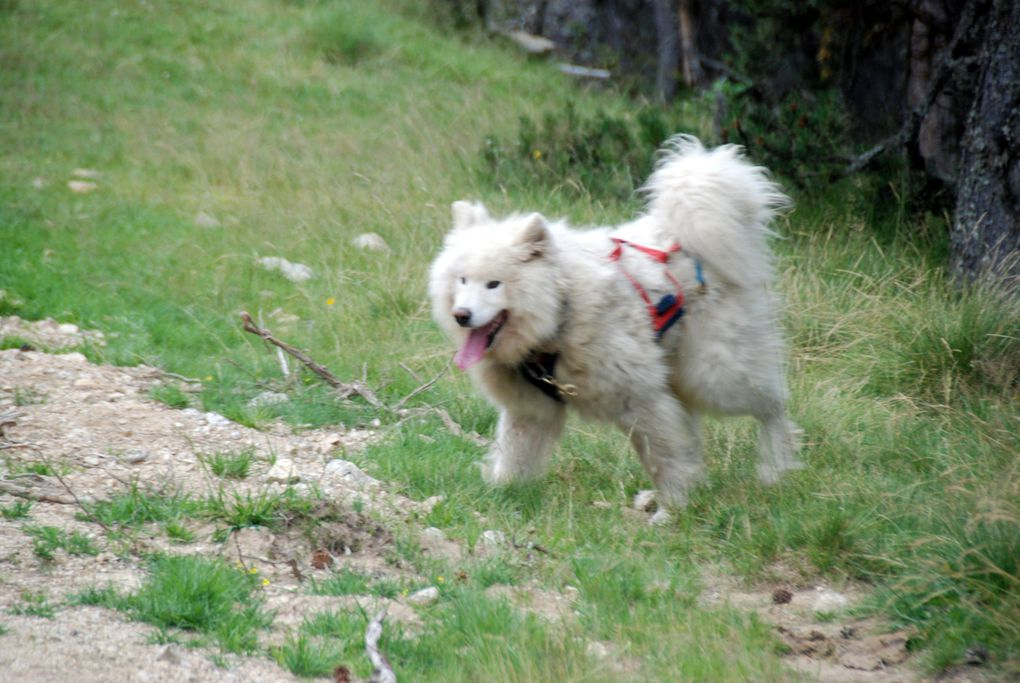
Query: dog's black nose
462, 316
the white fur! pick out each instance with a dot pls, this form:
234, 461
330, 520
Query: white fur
564, 295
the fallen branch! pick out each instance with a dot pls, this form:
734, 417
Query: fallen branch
346, 390
27, 493
88, 513
450, 424
422, 388
382, 671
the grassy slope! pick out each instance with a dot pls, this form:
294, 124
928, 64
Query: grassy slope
300, 125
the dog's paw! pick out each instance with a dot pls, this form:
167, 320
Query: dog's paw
769, 474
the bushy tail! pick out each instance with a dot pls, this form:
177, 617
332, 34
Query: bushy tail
718, 206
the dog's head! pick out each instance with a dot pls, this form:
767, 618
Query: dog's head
493, 286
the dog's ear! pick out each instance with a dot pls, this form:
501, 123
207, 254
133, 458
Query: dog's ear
535, 236
466, 214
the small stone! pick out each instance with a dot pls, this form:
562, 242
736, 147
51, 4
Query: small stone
136, 457
283, 471
205, 220
81, 186
295, 272
38, 183
424, 597
216, 420
530, 43
170, 656
268, 398
645, 500
68, 328
74, 357
492, 539
86, 173
829, 601
370, 241
348, 474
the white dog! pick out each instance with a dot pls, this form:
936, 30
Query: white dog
647, 325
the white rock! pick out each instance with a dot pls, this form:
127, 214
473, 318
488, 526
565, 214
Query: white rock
530, 43
295, 272
829, 600
81, 186
205, 220
645, 500
74, 357
492, 539
370, 241
216, 420
348, 474
283, 471
87, 173
424, 597
268, 398
68, 328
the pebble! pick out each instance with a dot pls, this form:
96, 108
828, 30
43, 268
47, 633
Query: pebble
349, 474
492, 539
295, 272
283, 471
268, 398
370, 241
205, 220
828, 600
424, 597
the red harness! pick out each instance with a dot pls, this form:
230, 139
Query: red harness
669, 308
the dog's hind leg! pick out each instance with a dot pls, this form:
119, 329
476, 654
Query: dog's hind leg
524, 444
778, 442
666, 439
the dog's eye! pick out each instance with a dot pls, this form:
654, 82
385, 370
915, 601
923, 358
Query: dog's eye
463, 280
492, 284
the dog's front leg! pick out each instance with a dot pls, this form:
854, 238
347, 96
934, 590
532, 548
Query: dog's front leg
525, 439
665, 436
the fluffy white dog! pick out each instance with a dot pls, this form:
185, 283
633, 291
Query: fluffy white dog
647, 325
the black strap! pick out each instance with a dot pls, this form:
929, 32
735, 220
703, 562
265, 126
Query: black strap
539, 369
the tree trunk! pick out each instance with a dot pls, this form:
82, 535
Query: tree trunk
665, 29
986, 231
688, 50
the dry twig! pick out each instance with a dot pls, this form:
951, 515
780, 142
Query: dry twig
382, 671
346, 389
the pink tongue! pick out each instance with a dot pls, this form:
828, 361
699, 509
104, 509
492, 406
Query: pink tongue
473, 349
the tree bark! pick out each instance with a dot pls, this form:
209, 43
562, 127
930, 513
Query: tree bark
688, 49
986, 230
666, 33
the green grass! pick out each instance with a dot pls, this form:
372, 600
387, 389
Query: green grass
348, 582
229, 465
19, 509
136, 507
171, 395
48, 539
200, 595
34, 605
300, 125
